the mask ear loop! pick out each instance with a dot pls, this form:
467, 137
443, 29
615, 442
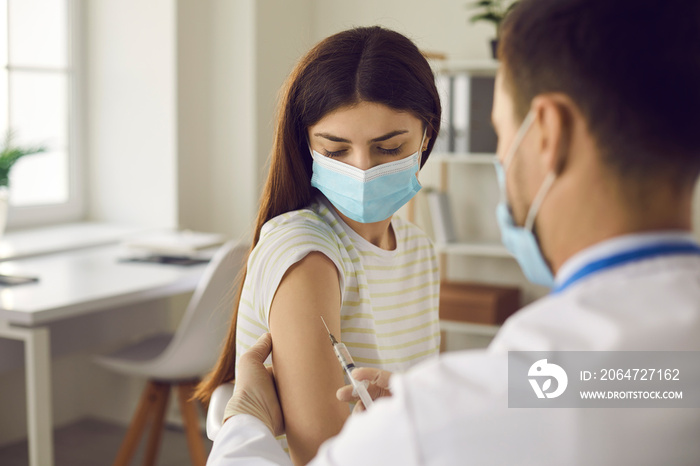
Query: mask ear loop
539, 198
522, 131
420, 148
546, 184
519, 136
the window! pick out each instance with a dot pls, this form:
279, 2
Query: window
36, 103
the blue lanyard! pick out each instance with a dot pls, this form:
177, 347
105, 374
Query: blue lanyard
646, 252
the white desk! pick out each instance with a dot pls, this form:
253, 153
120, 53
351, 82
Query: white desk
70, 284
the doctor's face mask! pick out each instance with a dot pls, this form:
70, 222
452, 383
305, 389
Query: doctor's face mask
521, 241
367, 196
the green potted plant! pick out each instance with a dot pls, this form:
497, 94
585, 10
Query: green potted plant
10, 153
491, 11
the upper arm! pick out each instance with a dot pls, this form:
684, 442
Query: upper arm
307, 372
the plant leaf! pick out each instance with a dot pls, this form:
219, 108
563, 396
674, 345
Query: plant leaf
11, 153
490, 17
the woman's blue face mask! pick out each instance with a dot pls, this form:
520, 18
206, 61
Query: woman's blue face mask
367, 196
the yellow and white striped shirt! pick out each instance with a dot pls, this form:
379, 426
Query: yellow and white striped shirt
389, 313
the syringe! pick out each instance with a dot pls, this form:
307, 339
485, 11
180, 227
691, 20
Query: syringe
348, 365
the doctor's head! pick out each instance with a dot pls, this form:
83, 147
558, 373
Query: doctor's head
606, 93
364, 97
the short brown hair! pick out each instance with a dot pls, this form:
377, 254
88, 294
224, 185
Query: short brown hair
632, 67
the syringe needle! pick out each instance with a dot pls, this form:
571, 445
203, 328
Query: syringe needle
324, 324
330, 335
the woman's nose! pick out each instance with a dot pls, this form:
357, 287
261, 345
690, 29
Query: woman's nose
361, 159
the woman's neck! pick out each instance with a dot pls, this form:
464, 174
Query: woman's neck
380, 234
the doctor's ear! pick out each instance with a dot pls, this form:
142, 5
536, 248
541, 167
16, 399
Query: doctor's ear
554, 117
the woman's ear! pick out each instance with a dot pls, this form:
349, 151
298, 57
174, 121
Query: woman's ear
428, 136
553, 117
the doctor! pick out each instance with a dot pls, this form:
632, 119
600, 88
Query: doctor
597, 109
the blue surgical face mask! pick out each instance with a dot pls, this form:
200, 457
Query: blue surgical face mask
367, 196
521, 241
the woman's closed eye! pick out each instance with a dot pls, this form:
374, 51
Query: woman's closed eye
380, 150
335, 153
394, 151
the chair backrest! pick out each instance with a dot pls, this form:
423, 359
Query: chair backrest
217, 407
197, 342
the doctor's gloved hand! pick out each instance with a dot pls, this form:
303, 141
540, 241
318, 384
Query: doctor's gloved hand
378, 386
255, 392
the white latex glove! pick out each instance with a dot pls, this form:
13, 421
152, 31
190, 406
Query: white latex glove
378, 386
255, 392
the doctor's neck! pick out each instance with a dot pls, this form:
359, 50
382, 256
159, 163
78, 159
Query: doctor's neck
592, 202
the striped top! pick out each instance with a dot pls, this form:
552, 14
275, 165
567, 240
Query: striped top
389, 313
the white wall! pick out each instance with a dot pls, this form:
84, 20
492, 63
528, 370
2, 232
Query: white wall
216, 127
437, 25
233, 56
194, 119
284, 33
131, 144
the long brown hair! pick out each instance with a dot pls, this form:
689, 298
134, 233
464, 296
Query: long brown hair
370, 64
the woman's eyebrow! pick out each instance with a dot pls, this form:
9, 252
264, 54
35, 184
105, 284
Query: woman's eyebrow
330, 137
390, 135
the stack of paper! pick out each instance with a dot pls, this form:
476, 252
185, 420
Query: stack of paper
174, 243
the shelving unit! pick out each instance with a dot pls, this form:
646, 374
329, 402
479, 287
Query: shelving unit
452, 70
492, 248
449, 158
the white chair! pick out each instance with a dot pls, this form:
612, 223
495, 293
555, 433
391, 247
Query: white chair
217, 406
181, 358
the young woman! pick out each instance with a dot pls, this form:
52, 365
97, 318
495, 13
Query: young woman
357, 119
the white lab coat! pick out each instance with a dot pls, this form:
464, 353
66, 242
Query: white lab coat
454, 410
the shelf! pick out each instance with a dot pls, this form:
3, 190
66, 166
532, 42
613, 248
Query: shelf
484, 249
467, 158
469, 328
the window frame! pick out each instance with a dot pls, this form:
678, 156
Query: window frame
74, 208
